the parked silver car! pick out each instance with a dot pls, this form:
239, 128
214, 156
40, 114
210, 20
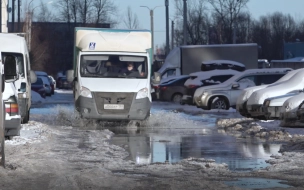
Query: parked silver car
224, 96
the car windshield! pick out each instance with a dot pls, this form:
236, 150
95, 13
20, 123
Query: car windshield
19, 60
113, 66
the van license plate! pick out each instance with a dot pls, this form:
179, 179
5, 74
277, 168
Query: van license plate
113, 106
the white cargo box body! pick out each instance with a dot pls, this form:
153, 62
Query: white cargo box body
113, 40
120, 44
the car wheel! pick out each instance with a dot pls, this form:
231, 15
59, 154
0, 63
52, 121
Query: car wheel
26, 117
177, 98
219, 103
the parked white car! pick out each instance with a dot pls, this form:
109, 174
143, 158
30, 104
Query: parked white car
272, 106
12, 117
288, 112
224, 96
255, 102
205, 78
241, 103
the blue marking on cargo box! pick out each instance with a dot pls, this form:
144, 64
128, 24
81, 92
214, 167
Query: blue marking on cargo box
92, 45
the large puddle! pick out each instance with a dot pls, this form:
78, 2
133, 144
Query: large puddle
162, 146
173, 136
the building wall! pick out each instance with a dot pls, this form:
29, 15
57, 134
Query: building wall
52, 44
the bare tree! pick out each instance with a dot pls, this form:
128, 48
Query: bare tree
44, 15
63, 8
197, 24
226, 12
86, 11
105, 10
131, 19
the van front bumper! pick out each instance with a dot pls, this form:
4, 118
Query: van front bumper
135, 109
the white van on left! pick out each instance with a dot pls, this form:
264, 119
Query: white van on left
14, 44
8, 74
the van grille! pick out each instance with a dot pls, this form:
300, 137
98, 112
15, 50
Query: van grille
124, 98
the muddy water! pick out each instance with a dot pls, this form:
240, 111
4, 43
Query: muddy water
179, 136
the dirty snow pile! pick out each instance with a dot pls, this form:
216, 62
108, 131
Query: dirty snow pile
247, 128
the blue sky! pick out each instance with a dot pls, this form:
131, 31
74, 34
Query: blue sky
256, 8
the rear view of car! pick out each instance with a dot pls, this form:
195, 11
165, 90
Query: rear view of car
46, 81
12, 117
63, 83
39, 87
204, 78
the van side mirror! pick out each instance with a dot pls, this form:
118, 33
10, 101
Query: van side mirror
10, 68
70, 75
235, 86
33, 76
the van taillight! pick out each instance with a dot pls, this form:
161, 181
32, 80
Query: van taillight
12, 108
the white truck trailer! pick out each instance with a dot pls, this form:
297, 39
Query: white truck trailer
103, 88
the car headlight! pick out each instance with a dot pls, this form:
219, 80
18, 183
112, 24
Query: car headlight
143, 93
203, 94
266, 103
85, 92
287, 108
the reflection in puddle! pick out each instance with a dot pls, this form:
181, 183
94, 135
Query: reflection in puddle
171, 137
257, 183
165, 147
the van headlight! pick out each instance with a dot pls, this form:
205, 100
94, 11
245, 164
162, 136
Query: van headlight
85, 92
143, 93
266, 103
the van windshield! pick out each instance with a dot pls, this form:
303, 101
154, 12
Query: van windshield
113, 66
20, 61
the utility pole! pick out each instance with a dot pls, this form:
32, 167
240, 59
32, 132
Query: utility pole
185, 22
13, 16
0, 16
167, 26
18, 26
152, 28
172, 34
